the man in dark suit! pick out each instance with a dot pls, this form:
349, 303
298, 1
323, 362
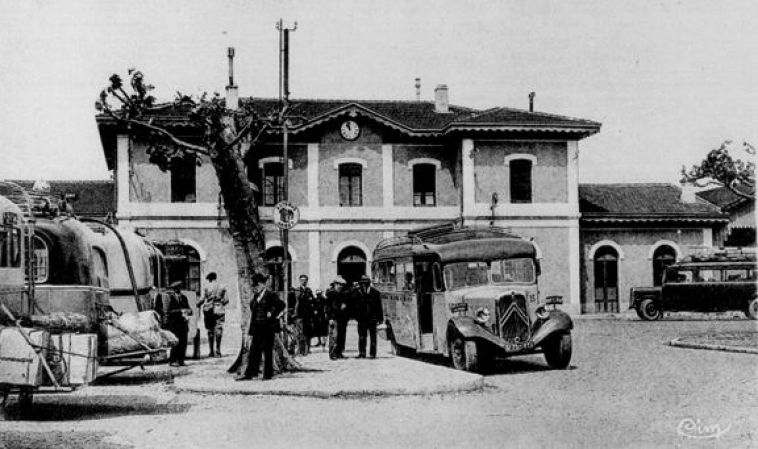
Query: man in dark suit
265, 309
177, 321
338, 314
368, 313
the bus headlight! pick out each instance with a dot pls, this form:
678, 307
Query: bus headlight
542, 312
482, 315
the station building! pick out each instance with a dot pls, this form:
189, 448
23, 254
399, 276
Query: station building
362, 171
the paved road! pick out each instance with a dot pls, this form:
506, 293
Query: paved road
625, 388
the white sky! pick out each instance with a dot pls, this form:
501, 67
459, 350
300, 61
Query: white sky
669, 80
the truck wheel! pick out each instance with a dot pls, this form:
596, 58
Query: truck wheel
464, 354
557, 350
648, 310
752, 309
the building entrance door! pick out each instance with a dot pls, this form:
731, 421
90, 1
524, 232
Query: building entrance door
351, 264
606, 280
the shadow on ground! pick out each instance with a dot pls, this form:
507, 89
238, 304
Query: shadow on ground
511, 366
56, 439
71, 408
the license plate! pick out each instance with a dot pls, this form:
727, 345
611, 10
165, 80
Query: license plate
515, 347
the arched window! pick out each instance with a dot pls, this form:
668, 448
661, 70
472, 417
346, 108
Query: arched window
663, 256
351, 184
424, 185
274, 264
606, 280
521, 181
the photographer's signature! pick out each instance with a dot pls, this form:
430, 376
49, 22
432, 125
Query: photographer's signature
694, 428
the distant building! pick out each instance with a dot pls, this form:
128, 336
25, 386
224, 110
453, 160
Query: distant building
741, 228
631, 232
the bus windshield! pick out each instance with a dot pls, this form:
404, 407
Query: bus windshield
498, 272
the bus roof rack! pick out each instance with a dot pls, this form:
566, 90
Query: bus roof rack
731, 254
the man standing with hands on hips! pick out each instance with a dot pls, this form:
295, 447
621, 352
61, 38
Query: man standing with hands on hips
265, 309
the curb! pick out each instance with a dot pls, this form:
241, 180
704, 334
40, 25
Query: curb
725, 348
461, 387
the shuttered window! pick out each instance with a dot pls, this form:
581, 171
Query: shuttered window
273, 183
424, 185
350, 184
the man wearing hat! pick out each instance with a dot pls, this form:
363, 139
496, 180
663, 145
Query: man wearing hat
338, 314
177, 322
368, 313
265, 309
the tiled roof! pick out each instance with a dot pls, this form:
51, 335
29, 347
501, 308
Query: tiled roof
722, 197
630, 202
411, 116
93, 198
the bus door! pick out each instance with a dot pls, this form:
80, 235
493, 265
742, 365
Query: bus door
424, 288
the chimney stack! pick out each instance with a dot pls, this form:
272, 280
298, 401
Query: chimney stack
688, 193
232, 93
441, 104
418, 89
531, 101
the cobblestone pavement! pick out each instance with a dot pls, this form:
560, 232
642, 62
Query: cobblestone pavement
626, 388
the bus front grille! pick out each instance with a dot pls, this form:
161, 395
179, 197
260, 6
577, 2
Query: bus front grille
513, 319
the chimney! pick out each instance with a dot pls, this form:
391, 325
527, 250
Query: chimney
232, 94
688, 194
441, 104
531, 101
418, 89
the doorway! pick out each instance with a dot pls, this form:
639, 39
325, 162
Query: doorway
606, 280
351, 264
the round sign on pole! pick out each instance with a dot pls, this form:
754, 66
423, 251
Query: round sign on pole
286, 215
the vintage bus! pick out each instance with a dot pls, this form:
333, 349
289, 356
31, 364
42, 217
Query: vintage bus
470, 293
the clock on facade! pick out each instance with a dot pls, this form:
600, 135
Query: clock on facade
350, 130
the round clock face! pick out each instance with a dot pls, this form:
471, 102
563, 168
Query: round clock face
350, 130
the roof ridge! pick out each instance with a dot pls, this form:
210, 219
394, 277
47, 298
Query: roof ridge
547, 114
630, 184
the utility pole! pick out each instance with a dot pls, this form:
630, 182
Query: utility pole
284, 103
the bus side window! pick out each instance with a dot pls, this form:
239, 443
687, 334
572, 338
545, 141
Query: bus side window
409, 283
390, 273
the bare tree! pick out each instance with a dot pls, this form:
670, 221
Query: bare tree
224, 136
721, 169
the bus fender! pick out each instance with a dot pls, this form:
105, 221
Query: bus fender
470, 330
558, 322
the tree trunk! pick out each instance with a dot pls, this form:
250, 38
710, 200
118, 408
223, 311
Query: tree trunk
249, 243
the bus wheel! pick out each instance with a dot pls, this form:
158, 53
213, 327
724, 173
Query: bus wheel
25, 400
464, 354
648, 310
3, 404
752, 309
557, 350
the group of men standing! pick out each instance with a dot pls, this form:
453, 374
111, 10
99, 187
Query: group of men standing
363, 303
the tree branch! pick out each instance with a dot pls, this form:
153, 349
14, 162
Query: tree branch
177, 141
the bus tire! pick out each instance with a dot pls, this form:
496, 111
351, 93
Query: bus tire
557, 350
752, 309
464, 354
647, 310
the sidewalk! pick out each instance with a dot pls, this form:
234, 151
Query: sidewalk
743, 342
321, 377
631, 315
